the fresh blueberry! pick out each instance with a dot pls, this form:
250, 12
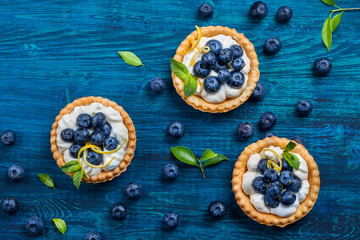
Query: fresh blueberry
176, 129
285, 166
245, 129
171, 220
284, 14
271, 202
262, 166
34, 225
94, 158
215, 46
217, 209
157, 85
237, 51
286, 178
274, 190
111, 143
298, 140
67, 135
267, 121
84, 120
81, 135
270, 175
224, 75
200, 70
206, 10
236, 80
272, 45
238, 64
97, 138
288, 198
258, 92
9, 205
304, 108
295, 185
212, 84
170, 171
225, 56
74, 150
258, 10
16, 172
259, 185
219, 66
322, 66
268, 134
106, 129
118, 211
209, 59
98, 119
8, 137
133, 190
92, 235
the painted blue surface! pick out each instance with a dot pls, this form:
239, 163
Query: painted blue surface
53, 52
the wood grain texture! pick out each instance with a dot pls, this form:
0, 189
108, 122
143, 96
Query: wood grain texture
53, 52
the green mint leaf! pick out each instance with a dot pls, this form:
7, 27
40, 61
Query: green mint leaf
190, 85
60, 224
335, 21
290, 146
72, 166
77, 177
179, 69
207, 155
292, 159
329, 2
130, 58
215, 160
327, 33
47, 180
184, 154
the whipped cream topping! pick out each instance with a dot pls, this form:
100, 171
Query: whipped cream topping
118, 131
225, 91
257, 199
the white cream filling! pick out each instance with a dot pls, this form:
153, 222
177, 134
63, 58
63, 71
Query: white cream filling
118, 131
257, 199
225, 91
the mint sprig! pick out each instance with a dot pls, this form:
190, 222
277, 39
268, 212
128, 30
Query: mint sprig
47, 180
181, 71
185, 155
291, 158
130, 58
74, 167
60, 224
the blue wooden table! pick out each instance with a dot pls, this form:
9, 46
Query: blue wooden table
53, 52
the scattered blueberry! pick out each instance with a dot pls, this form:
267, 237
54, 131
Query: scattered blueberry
295, 185
262, 166
288, 197
217, 209
9, 205
98, 119
267, 121
200, 70
170, 171
111, 143
81, 135
224, 75
16, 172
258, 10
286, 178
171, 220
74, 150
236, 80
157, 85
225, 56
209, 60
238, 64
8, 137
322, 66
268, 134
272, 45
258, 92
133, 190
298, 140
270, 175
218, 67
118, 211
215, 46
34, 225
304, 108
259, 185
237, 51
84, 120
245, 129
67, 135
93, 235
206, 10
94, 158
274, 190
284, 14
97, 138
106, 129
176, 129
271, 202
285, 166
212, 84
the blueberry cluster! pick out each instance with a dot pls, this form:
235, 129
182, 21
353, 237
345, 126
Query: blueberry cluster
226, 62
277, 187
99, 137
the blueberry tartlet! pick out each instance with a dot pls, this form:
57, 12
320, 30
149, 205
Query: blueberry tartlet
224, 64
276, 182
98, 134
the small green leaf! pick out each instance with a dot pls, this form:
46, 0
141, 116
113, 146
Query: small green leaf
329, 2
47, 180
60, 224
184, 154
327, 33
292, 159
72, 166
130, 58
179, 69
290, 146
190, 85
215, 160
335, 21
77, 178
207, 155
